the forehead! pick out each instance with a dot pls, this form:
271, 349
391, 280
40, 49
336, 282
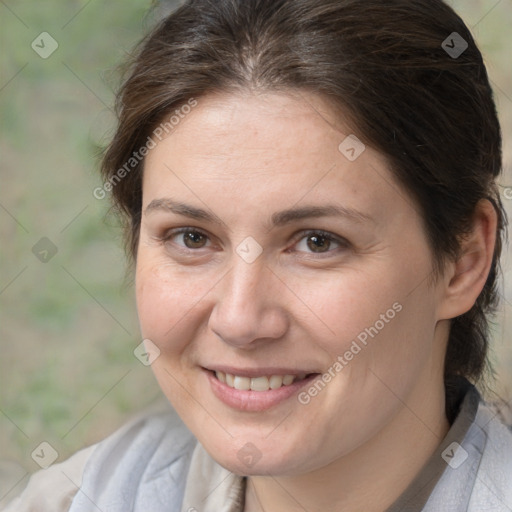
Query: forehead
267, 148
252, 124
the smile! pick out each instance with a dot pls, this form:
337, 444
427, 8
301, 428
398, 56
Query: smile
255, 391
262, 383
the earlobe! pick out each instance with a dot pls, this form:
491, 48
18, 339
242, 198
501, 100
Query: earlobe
467, 275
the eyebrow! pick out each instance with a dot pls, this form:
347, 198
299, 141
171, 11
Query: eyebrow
280, 218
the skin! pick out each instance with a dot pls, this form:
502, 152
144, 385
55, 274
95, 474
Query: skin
362, 439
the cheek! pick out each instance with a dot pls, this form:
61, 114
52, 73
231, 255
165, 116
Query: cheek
167, 302
344, 305
377, 323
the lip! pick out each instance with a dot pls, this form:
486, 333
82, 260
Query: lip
254, 401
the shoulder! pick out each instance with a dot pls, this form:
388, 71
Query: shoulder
53, 488
143, 463
493, 486
142, 466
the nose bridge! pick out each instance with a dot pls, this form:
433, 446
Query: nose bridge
245, 308
242, 293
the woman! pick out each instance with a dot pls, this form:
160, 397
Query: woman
309, 189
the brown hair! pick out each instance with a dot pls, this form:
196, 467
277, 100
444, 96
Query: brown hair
387, 64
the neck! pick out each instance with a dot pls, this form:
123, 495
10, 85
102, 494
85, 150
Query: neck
372, 476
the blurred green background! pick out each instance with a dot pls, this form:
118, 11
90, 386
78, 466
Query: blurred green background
68, 375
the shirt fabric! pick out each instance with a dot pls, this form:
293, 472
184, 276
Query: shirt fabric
154, 464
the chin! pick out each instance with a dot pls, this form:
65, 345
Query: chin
259, 457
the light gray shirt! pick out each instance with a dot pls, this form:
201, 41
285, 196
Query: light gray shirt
154, 464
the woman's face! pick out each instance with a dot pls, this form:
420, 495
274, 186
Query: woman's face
274, 250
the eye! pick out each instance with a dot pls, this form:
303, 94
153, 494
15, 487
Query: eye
320, 242
190, 238
312, 241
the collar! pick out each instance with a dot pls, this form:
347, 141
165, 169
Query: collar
211, 487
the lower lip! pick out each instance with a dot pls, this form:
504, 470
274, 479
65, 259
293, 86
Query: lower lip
254, 401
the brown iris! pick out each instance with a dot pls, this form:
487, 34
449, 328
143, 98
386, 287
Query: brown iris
194, 239
316, 242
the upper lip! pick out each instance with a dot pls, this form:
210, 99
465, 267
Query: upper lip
258, 372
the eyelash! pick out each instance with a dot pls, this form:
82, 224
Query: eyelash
343, 244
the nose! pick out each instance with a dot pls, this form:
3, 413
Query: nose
249, 306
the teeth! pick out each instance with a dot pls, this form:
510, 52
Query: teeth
287, 380
242, 383
259, 384
276, 381
262, 383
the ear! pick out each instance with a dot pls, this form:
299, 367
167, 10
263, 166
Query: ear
465, 278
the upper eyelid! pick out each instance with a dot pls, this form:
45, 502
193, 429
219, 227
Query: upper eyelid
171, 233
